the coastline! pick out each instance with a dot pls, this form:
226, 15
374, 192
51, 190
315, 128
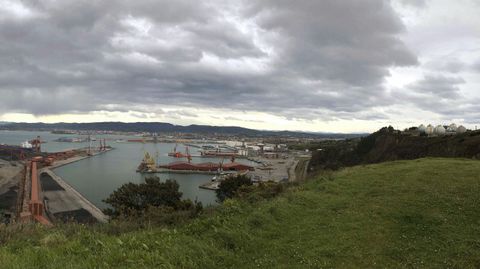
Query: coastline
75, 196
70, 197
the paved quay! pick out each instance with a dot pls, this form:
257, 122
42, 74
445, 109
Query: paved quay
291, 168
62, 201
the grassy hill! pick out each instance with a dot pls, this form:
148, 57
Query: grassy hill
405, 214
388, 144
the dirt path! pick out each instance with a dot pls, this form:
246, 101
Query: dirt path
301, 169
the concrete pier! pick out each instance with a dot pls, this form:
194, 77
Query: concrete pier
171, 171
62, 201
67, 199
211, 185
61, 163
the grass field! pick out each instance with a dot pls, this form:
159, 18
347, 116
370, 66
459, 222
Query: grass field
405, 214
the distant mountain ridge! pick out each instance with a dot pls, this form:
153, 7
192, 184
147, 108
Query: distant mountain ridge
161, 127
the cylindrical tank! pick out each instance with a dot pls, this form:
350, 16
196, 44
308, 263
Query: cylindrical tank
422, 128
440, 130
461, 129
429, 130
452, 127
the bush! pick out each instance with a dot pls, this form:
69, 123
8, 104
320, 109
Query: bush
130, 197
151, 202
264, 190
229, 187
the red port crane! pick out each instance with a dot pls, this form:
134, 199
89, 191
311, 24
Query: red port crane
37, 144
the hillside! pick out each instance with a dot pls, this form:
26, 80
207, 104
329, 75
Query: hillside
161, 127
390, 145
405, 214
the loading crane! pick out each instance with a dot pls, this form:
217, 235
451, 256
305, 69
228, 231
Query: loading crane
36, 144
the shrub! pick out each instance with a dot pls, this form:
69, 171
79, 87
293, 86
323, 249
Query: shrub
264, 190
151, 202
230, 185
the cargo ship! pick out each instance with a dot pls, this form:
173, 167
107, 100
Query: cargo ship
136, 140
206, 167
178, 154
71, 140
148, 164
218, 153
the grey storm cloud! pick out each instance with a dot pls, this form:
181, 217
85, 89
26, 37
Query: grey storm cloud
439, 87
476, 66
447, 65
414, 3
442, 95
312, 59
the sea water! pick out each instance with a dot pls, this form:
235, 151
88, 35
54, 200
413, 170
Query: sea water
97, 177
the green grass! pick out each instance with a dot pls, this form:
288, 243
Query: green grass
405, 214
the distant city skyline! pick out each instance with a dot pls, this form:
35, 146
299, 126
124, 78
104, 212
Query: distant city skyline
318, 66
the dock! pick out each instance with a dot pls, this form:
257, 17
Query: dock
63, 201
172, 171
75, 159
46, 198
169, 171
211, 185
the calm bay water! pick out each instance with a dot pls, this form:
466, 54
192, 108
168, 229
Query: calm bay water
99, 176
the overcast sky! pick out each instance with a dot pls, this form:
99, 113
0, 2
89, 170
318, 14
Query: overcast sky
343, 66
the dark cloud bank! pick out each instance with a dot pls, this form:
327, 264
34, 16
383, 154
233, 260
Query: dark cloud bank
299, 59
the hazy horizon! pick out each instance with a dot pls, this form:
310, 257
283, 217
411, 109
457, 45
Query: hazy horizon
187, 125
313, 66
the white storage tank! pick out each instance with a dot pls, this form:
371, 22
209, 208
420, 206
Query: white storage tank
440, 130
422, 129
461, 129
429, 130
452, 128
